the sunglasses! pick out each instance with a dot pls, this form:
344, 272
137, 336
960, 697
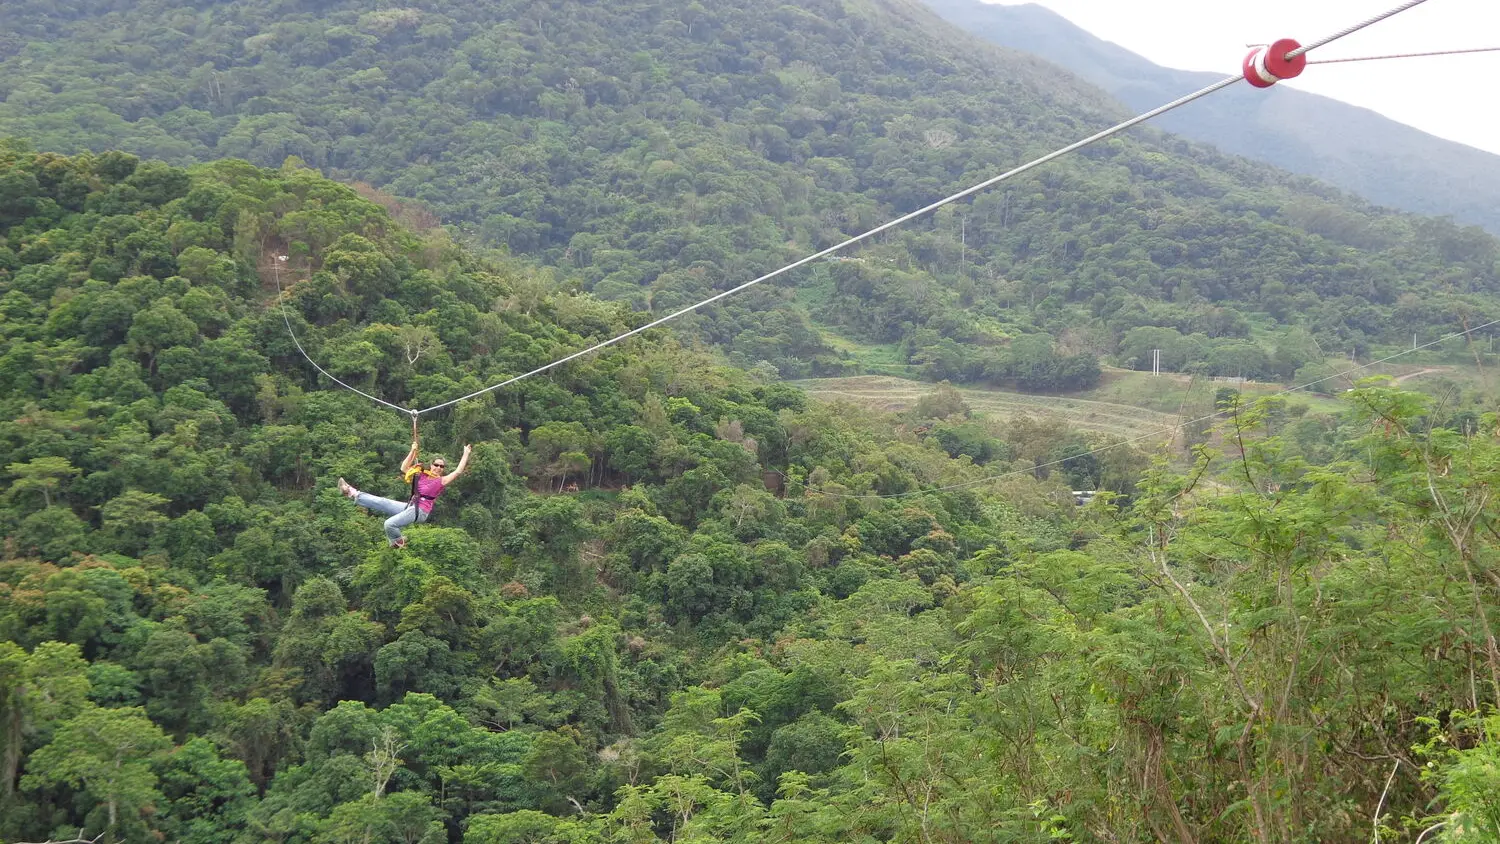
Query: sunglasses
440, 465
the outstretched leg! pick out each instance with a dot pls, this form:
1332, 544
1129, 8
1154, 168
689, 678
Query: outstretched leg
401, 513
395, 523
384, 506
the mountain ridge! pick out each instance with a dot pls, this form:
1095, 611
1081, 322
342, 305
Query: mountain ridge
655, 154
1354, 148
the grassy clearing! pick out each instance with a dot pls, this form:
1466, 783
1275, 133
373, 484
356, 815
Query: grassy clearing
867, 354
1441, 379
896, 394
1125, 405
1172, 391
1128, 403
877, 358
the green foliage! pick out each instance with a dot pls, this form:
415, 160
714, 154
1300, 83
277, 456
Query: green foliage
527, 826
207, 797
696, 148
668, 601
1462, 759
108, 754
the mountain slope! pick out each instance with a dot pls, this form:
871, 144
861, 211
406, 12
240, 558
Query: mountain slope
665, 602
656, 152
184, 593
1353, 148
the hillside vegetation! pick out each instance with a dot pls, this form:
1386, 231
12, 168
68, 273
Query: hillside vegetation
723, 634
897, 394
656, 152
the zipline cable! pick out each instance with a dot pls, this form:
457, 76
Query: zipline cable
1157, 433
281, 298
1119, 127
1073, 147
1261, 69
1407, 55
1353, 29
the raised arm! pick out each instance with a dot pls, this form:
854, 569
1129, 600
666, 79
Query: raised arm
463, 463
411, 457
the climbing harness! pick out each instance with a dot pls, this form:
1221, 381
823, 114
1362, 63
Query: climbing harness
414, 475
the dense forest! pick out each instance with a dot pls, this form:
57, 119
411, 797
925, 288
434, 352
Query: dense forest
671, 600
656, 152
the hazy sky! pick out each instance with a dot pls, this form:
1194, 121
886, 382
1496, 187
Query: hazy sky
1449, 96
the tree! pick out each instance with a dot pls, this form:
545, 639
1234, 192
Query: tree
1469, 778
945, 402
631, 449
690, 590
328, 645
1320, 378
405, 817
41, 474
109, 753
259, 732
813, 744
89, 604
1295, 350
415, 662
207, 798
53, 534
36, 689
159, 327
527, 826
559, 769
559, 449
509, 703
132, 518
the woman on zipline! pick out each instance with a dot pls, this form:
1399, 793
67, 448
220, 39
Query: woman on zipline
426, 485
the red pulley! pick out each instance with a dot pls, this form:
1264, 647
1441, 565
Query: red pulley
1265, 66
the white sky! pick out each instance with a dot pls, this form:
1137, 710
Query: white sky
1449, 96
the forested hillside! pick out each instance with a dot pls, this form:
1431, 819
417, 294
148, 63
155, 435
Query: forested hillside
668, 602
657, 152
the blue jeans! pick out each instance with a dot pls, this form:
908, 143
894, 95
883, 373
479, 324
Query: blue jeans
401, 513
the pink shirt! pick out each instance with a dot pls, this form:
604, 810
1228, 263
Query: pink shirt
428, 488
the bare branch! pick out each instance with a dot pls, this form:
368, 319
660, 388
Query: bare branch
1380, 807
1435, 826
1213, 638
79, 840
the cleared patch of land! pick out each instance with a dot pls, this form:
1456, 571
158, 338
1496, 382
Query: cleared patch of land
896, 394
1172, 392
